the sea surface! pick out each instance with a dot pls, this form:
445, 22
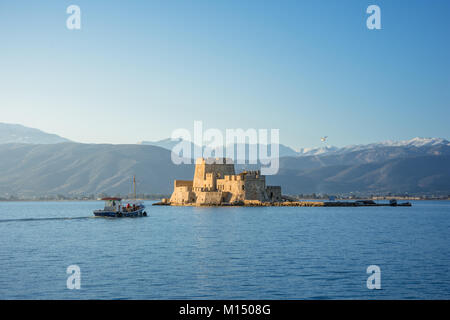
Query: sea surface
225, 252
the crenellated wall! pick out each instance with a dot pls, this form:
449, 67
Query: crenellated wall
234, 186
217, 168
215, 182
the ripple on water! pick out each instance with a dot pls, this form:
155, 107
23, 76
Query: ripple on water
225, 253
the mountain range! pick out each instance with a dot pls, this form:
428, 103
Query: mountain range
75, 168
16, 133
34, 163
286, 151
169, 144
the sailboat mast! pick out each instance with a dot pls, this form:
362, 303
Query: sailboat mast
134, 184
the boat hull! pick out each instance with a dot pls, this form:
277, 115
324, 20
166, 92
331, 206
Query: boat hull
114, 214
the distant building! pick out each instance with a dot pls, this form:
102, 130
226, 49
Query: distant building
216, 183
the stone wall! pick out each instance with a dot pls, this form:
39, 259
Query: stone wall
217, 168
255, 186
209, 198
183, 195
215, 183
182, 183
234, 186
274, 193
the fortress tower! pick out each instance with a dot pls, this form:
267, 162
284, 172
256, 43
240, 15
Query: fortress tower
207, 171
216, 183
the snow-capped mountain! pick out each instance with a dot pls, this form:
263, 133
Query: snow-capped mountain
415, 145
415, 142
316, 151
412, 143
420, 165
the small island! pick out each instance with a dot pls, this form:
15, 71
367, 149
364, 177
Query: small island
215, 183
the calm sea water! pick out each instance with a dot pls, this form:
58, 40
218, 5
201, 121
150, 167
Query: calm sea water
225, 253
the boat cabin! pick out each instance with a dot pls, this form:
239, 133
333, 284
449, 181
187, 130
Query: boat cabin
112, 204
116, 205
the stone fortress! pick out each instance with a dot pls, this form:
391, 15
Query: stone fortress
216, 183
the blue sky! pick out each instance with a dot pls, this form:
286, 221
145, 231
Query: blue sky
137, 70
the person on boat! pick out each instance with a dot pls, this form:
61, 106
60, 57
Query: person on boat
128, 207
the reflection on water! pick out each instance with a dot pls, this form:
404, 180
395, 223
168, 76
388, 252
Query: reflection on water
225, 253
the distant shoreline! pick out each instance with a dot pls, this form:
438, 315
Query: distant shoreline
67, 200
308, 199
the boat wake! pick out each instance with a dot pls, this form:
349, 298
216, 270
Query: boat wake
44, 219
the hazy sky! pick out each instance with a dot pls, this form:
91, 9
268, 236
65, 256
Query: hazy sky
137, 70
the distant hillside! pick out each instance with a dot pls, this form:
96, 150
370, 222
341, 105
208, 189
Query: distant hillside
419, 165
165, 143
414, 175
169, 144
72, 168
16, 133
364, 155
